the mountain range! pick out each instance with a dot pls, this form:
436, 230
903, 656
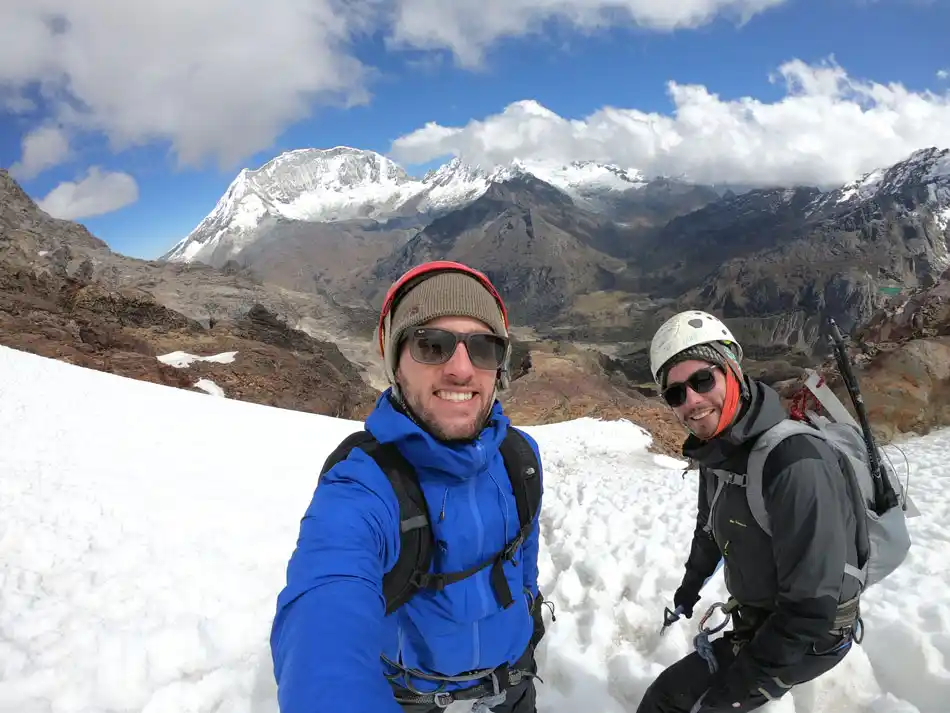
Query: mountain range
588, 252
587, 268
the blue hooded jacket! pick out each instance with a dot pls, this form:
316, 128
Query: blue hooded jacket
330, 629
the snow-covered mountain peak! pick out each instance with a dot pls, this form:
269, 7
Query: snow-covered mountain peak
925, 166
337, 169
925, 169
587, 176
455, 171
344, 183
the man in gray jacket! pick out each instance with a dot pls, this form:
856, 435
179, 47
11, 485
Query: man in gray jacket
793, 607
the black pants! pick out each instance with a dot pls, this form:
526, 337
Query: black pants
520, 698
680, 686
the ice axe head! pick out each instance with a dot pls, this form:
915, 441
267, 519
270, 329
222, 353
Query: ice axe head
670, 617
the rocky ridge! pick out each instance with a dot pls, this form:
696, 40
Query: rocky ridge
64, 295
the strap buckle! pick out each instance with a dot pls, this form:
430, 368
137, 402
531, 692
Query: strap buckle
424, 580
442, 699
512, 548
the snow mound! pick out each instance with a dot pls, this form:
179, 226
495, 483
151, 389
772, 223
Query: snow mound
142, 556
208, 386
182, 360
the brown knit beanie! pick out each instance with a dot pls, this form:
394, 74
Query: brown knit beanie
444, 294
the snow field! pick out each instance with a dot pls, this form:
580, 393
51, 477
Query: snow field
144, 532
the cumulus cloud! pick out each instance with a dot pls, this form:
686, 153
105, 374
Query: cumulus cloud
468, 27
214, 79
97, 193
828, 129
219, 80
943, 74
43, 148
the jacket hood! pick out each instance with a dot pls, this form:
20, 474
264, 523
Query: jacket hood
457, 459
760, 411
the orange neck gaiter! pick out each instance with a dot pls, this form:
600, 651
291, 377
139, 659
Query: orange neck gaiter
731, 404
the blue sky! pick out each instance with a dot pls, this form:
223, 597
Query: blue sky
571, 72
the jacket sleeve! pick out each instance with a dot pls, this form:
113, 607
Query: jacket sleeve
704, 554
531, 544
327, 634
805, 502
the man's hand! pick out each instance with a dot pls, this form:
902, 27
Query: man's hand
685, 599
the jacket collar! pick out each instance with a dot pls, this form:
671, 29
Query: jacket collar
389, 423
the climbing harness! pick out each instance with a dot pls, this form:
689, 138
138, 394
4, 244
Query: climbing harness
492, 692
701, 640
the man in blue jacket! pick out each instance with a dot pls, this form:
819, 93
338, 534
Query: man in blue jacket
343, 638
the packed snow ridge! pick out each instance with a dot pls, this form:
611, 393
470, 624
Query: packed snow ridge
344, 183
182, 360
142, 556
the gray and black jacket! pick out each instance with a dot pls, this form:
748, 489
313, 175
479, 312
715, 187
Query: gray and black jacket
792, 582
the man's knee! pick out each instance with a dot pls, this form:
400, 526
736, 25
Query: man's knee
668, 693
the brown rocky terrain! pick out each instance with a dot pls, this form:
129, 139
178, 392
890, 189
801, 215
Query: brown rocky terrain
539, 249
197, 291
125, 331
902, 362
566, 382
64, 295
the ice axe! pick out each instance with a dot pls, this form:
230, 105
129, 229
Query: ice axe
671, 617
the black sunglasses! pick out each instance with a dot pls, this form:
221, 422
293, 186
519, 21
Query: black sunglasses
430, 345
701, 381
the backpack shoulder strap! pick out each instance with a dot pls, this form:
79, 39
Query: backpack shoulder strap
757, 457
524, 471
415, 545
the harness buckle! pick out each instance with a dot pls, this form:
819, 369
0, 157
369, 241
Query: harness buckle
443, 699
429, 581
512, 548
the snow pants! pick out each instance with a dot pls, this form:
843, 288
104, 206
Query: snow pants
679, 688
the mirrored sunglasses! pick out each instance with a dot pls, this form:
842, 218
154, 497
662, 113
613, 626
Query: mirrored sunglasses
701, 381
430, 345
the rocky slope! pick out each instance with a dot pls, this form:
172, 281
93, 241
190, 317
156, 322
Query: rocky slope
777, 263
902, 355
565, 382
537, 247
901, 359
63, 294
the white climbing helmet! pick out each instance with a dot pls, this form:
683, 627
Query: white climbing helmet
685, 330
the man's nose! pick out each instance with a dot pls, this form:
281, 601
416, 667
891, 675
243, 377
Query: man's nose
692, 398
460, 365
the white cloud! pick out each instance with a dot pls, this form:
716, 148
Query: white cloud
43, 148
97, 193
220, 79
943, 74
468, 27
827, 129
214, 78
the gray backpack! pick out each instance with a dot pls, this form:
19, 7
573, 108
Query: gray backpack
883, 539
